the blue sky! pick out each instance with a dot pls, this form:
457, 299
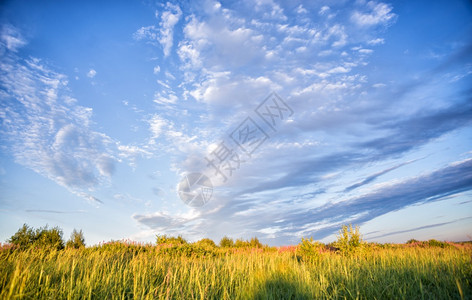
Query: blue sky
105, 106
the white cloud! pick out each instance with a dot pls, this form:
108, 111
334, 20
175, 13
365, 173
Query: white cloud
11, 38
269, 9
163, 84
165, 97
301, 10
146, 32
48, 132
169, 75
189, 55
366, 51
91, 73
230, 59
324, 10
377, 41
156, 126
379, 85
377, 13
131, 153
337, 31
339, 69
168, 222
169, 19
164, 34
157, 69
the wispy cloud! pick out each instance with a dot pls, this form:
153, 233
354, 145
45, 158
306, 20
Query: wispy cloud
374, 13
365, 111
47, 131
11, 38
373, 177
164, 33
169, 19
346, 118
50, 211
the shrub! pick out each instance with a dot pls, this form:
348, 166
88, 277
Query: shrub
226, 242
309, 249
205, 243
164, 239
188, 250
240, 243
436, 243
76, 240
349, 240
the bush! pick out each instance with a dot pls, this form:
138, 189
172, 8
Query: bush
240, 243
349, 240
436, 243
188, 250
226, 242
309, 249
42, 237
164, 239
205, 243
76, 240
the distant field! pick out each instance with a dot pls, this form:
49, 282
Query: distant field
128, 271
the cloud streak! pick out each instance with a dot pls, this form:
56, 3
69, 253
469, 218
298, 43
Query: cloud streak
419, 228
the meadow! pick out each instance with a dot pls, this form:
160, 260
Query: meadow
202, 270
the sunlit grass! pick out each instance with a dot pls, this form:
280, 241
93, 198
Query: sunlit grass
124, 271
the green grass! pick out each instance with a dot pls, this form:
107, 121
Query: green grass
121, 271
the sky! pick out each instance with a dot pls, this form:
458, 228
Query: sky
275, 119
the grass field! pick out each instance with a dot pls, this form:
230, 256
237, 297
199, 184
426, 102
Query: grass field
120, 270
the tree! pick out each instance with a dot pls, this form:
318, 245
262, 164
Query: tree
23, 238
76, 240
42, 237
226, 242
255, 243
49, 238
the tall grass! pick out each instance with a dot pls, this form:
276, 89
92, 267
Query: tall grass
124, 271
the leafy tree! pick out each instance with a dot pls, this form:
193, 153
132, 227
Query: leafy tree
49, 238
226, 242
240, 243
23, 238
254, 243
76, 240
42, 237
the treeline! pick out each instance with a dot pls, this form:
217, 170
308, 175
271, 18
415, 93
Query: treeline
45, 237
349, 241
